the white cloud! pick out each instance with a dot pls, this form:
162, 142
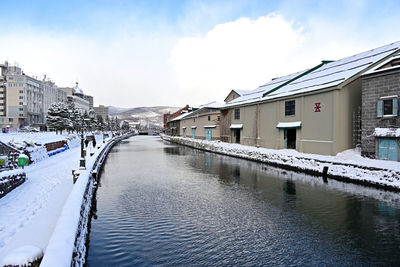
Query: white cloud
239, 54
245, 53
130, 66
125, 70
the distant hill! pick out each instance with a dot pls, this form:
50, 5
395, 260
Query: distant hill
153, 114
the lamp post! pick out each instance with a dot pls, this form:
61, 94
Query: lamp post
82, 163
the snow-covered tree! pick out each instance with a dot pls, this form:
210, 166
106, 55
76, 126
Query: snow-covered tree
58, 117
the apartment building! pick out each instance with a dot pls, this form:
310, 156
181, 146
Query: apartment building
51, 94
22, 98
75, 95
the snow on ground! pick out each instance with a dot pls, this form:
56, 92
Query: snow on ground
348, 164
38, 138
30, 212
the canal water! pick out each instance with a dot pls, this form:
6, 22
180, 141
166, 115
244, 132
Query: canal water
161, 204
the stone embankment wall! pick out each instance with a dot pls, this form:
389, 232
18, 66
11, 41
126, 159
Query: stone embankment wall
388, 179
9, 180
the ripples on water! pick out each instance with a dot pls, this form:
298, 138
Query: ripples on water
161, 204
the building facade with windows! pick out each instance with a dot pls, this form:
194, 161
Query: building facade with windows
22, 98
203, 123
51, 94
310, 111
76, 96
380, 119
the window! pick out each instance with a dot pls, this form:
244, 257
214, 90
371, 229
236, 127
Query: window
21, 91
209, 117
10, 119
387, 107
21, 103
21, 115
21, 97
218, 118
290, 108
21, 109
236, 115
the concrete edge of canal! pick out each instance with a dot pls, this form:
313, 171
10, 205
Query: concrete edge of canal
68, 243
349, 173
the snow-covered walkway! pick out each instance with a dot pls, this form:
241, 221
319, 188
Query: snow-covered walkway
29, 213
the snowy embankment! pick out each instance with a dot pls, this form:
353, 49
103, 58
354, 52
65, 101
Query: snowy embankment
347, 166
67, 245
34, 143
30, 212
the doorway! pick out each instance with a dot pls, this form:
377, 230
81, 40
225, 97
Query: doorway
236, 135
290, 138
388, 149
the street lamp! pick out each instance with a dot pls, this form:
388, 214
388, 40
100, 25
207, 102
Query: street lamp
82, 164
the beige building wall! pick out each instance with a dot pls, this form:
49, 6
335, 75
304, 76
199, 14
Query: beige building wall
199, 121
248, 117
326, 132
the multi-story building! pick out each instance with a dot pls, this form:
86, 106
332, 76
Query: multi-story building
102, 111
89, 98
311, 110
202, 123
75, 95
51, 94
380, 121
22, 98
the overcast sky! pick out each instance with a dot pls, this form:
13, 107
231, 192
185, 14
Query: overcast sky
147, 53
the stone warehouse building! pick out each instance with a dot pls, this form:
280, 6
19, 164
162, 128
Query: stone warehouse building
310, 111
202, 123
380, 120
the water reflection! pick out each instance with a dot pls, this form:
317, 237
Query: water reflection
162, 204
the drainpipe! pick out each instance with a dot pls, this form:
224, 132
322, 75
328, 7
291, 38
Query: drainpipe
257, 125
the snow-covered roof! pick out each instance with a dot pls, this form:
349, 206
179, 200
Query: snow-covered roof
294, 124
257, 93
236, 126
214, 104
379, 68
183, 115
210, 126
387, 132
336, 72
325, 75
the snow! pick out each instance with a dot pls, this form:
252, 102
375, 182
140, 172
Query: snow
236, 126
30, 212
183, 115
23, 256
213, 104
294, 124
257, 93
378, 69
210, 126
347, 165
387, 132
9, 173
329, 75
39, 138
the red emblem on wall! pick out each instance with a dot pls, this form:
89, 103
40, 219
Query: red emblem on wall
317, 107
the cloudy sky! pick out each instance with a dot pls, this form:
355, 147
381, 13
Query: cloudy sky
177, 52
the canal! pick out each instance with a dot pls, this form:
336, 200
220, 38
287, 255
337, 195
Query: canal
160, 204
